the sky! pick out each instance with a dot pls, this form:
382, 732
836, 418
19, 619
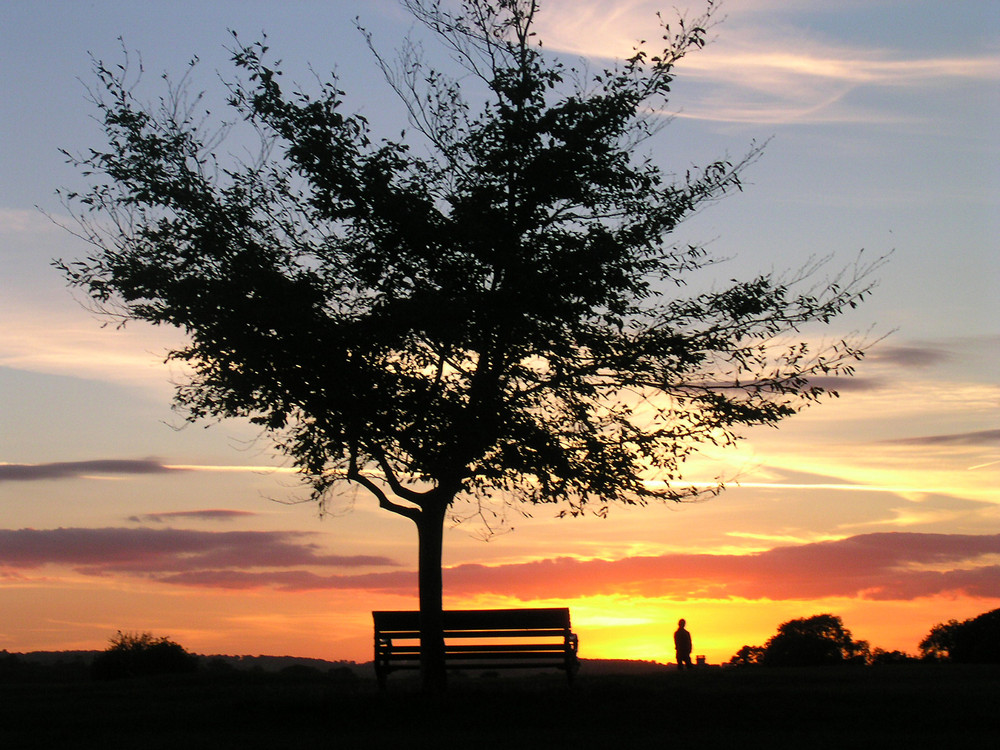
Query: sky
880, 506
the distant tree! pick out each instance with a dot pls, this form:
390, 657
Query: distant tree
881, 656
493, 314
814, 641
972, 641
142, 655
748, 656
939, 642
13, 668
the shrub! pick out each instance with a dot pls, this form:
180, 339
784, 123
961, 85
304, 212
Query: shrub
142, 655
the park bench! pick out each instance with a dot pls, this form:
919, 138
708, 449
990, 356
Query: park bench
480, 639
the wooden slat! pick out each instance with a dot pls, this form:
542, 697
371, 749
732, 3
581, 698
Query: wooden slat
499, 647
510, 619
477, 619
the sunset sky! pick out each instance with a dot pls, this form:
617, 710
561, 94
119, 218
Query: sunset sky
881, 507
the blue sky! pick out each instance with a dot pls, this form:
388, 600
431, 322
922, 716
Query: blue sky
880, 120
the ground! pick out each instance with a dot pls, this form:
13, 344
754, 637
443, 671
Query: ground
911, 705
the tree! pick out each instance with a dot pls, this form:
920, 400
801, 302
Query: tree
748, 656
972, 641
142, 655
814, 641
499, 318
939, 642
880, 656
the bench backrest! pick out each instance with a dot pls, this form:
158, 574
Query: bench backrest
479, 622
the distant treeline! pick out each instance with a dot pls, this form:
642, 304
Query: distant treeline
823, 639
810, 641
142, 655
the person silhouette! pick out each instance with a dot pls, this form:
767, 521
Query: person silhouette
682, 645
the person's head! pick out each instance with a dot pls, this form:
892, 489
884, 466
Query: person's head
682, 622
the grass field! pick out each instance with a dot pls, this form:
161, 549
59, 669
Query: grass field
911, 706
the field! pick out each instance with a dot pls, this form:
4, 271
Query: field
908, 705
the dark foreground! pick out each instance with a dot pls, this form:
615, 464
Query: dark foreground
910, 705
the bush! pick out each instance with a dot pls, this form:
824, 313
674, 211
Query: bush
142, 655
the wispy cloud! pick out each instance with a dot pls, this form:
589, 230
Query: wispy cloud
915, 356
77, 469
847, 385
16, 221
981, 438
145, 551
402, 582
196, 515
72, 342
10, 472
779, 73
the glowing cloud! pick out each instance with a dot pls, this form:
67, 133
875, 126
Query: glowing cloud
883, 566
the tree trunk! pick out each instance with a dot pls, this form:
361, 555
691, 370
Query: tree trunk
430, 533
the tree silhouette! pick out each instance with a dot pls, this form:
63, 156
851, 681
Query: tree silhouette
500, 318
748, 656
879, 656
972, 641
142, 655
938, 643
814, 641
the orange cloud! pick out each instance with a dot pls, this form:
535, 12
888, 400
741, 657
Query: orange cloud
880, 566
875, 566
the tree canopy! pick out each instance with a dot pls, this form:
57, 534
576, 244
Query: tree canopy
490, 306
972, 641
142, 655
804, 642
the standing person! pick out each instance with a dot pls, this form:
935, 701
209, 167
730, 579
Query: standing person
682, 645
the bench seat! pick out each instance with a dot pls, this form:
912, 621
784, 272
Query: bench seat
480, 639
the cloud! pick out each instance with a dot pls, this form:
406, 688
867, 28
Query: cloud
15, 221
78, 469
982, 438
890, 566
875, 566
764, 69
402, 582
71, 342
112, 467
197, 515
880, 566
847, 384
909, 356
106, 551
